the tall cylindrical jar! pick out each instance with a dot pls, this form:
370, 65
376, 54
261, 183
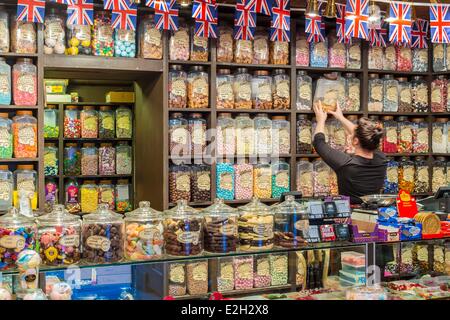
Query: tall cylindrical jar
225, 44
89, 122
390, 135
354, 54
201, 183
102, 34
24, 82
304, 91
420, 135
406, 173
321, 178
79, 39
5, 79
318, 54
262, 90
197, 88
197, 131
262, 179
439, 174
23, 36
25, 134
72, 160
337, 54
89, 159
25, 185
263, 133
243, 51
419, 94
224, 89
72, 123
51, 122
225, 180
281, 90
89, 196
301, 50
72, 196
4, 31
124, 43
124, 158
391, 179
6, 187
439, 135
420, 59
375, 93
242, 89
179, 183
376, 56
260, 47
106, 123
439, 92
305, 177
390, 58
51, 164
279, 52
106, 159
243, 180
177, 87
281, 178
226, 135
352, 93
405, 135
304, 134
199, 47
54, 32
124, 123
179, 43
281, 135
404, 95
106, 194
390, 92
422, 175
150, 39
245, 135
404, 58
439, 57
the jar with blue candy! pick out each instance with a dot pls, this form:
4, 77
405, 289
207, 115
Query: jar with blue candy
391, 179
72, 160
50, 159
225, 180
318, 56
280, 178
124, 43
5, 82
6, 187
422, 175
439, 57
390, 91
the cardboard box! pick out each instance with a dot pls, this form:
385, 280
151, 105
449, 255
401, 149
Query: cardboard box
58, 98
120, 97
56, 86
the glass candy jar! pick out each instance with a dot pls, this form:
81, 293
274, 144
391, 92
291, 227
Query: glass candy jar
5, 79
354, 54
376, 56
197, 88
406, 172
337, 55
390, 58
225, 44
102, 34
54, 32
419, 94
201, 183
390, 92
321, 178
24, 82
72, 160
224, 89
51, 122
79, 39
23, 36
420, 60
226, 135
404, 58
279, 52
439, 57
103, 236
220, 228
179, 43
179, 183
6, 136
391, 179
124, 43
124, 160
25, 184
50, 159
262, 90
89, 159
59, 235
122, 195
106, 123
281, 132
89, 196
404, 94
89, 122
124, 123
243, 180
330, 92
281, 90
199, 47
352, 93
197, 131
422, 175
242, 88
245, 135
72, 123
225, 179
243, 51
262, 179
72, 193
305, 177
177, 87
318, 54
420, 135
183, 231
281, 181
24, 128
263, 134
337, 135
375, 93
439, 93
144, 230
439, 135
4, 31
304, 134
150, 39
304, 91
255, 226
106, 194
106, 159
6, 188
405, 135
439, 174
51, 194
260, 47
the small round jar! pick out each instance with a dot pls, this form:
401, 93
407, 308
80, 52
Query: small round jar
6, 186
124, 123
281, 132
102, 34
124, 43
439, 93
197, 131
106, 123
51, 122
439, 174
24, 82
72, 196
183, 231
439, 136
301, 51
281, 181
89, 196
354, 54
376, 56
124, 160
150, 39
390, 58
89, 159
103, 236
321, 178
24, 128
199, 47
291, 224
144, 229
17, 233
304, 134
242, 88
245, 135
305, 177
78, 39
262, 179
179, 137
106, 159
422, 175
420, 60
89, 122
419, 94
352, 93
279, 52
220, 228
51, 194
390, 93
54, 32
304, 91
263, 134
72, 160
4, 30
106, 194
420, 135
225, 179
405, 135
72, 123
50, 159
23, 36
225, 134
59, 235
177, 87
337, 54
179, 183
224, 89
179, 43
197, 88
243, 180
404, 94
439, 57
391, 179
281, 90
6, 136
375, 93
404, 58
201, 183
390, 135
5, 79
262, 90
406, 173
255, 226
260, 47
318, 54
225, 43
243, 51
123, 196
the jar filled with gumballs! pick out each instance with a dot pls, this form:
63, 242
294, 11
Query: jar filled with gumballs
124, 43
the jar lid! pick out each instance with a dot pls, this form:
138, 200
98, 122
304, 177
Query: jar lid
255, 207
49, 144
279, 72
105, 108
50, 106
261, 73
24, 113
71, 144
15, 218
219, 208
402, 79
105, 144
181, 210
88, 108
304, 159
388, 118
71, 107
4, 115
302, 117
24, 60
122, 181
105, 182
291, 207
349, 75
197, 68
388, 76
402, 118
373, 76
243, 114
176, 115
352, 117
278, 117
224, 71
420, 158
102, 214
196, 115
85, 182
242, 70
418, 120
143, 212
176, 67
261, 115
301, 73
440, 158
441, 77
441, 120
58, 215
417, 77
4, 167
88, 145
225, 115
25, 167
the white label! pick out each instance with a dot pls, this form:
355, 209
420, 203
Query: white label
99, 242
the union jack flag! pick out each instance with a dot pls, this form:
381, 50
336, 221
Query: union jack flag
375, 39
244, 32
340, 24
400, 26
419, 34
31, 10
206, 29
161, 5
314, 28
116, 4
167, 20
440, 23
124, 19
281, 15
245, 14
356, 19
280, 35
81, 13
204, 11
262, 6
71, 2
320, 37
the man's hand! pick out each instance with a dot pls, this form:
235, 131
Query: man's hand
321, 115
338, 113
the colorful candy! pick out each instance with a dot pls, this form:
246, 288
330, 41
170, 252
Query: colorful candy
25, 134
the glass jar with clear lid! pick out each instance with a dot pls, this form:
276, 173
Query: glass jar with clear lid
404, 94
262, 179
422, 175
439, 57
225, 44
281, 178
197, 131
72, 193
352, 93
183, 230
279, 52
337, 54
6, 136
225, 179
260, 46
102, 34
72, 123
304, 91
354, 54
89, 159
123, 196
150, 39
439, 91
301, 50
124, 43
51, 194
201, 183
375, 93
330, 91
420, 135
124, 158
420, 59
5, 79
72, 160
337, 135
243, 187
291, 228
406, 173
4, 30
262, 90
220, 228
54, 32
245, 134
391, 178
255, 226
179, 182
89, 122
179, 43
305, 177
243, 51
321, 178
199, 47
50, 159
106, 159
439, 174
25, 134
376, 57
103, 236
281, 132
419, 94
124, 123
78, 39
281, 90
242, 88
144, 230
17, 233
59, 237
226, 134
404, 58
439, 135
405, 135
318, 54
88, 196
106, 194
6, 188
24, 82
197, 88
177, 87
106, 123
23, 36
390, 58
390, 92
224, 89
179, 138
263, 134
304, 134
51, 122
25, 185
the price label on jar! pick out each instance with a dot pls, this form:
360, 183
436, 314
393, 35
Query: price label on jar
5, 137
13, 242
225, 92
264, 230
198, 135
152, 36
282, 180
422, 135
183, 182
406, 134
263, 179
437, 135
264, 92
305, 91
245, 271
26, 83
27, 135
422, 174
226, 271
422, 95
204, 181
177, 274
200, 86
282, 89
306, 179
150, 233
5, 191
376, 92
391, 135
99, 242
105, 34
392, 174
188, 237
436, 95
4, 84
226, 181
408, 174
70, 240
320, 50
178, 88
244, 91
305, 136
263, 267
180, 136
200, 272
246, 179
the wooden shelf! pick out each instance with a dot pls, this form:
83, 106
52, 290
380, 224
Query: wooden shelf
400, 73
288, 111
105, 177
191, 110
344, 112
395, 114
194, 204
19, 55
95, 139
112, 104
252, 66
18, 160
14, 107
325, 70
191, 63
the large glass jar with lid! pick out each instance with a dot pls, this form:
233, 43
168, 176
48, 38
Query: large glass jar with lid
123, 196
243, 51
352, 93
337, 135
183, 230
406, 174
106, 123
197, 131
225, 44
179, 182
376, 56
5, 78
6, 187
405, 135
102, 34
177, 87
391, 179
23, 36
419, 94
330, 91
262, 179
51, 122
337, 55
89, 159
245, 134
24, 128
78, 39
17, 233
255, 225
24, 82
291, 229
89, 196
89, 122
50, 159
72, 160
281, 135
390, 92
199, 47
301, 50
390, 57
243, 187
281, 178
197, 88
439, 135
262, 90
25, 185
439, 92
144, 230
150, 39
72, 193
420, 60
375, 93
422, 175
220, 228
404, 58
201, 183
420, 135
263, 134
225, 179
124, 43
224, 89
279, 52
354, 54
225, 134
318, 54
304, 91
72, 124
305, 177
179, 43
281, 90
124, 158
260, 47
304, 134
6, 136
439, 174
4, 30
103, 236
124, 123
439, 57
106, 194
54, 32
242, 88
404, 94
59, 237
321, 178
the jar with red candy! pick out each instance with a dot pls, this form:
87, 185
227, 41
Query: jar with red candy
72, 123
337, 57
301, 51
420, 135
405, 135
404, 58
24, 82
439, 94
390, 135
